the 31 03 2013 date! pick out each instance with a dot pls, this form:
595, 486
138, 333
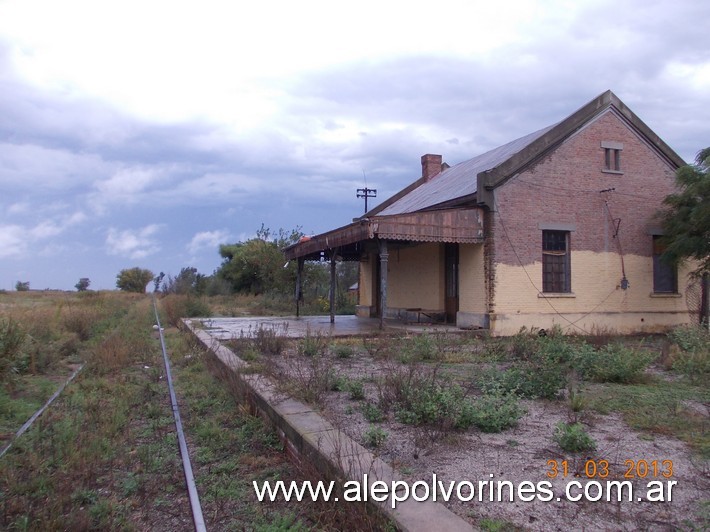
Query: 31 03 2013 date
631, 469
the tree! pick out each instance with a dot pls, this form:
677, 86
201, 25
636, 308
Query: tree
134, 280
257, 265
156, 282
22, 286
83, 284
686, 219
188, 281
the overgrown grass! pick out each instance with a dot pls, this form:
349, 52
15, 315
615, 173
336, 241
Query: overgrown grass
61, 473
659, 407
542, 366
231, 449
105, 455
693, 357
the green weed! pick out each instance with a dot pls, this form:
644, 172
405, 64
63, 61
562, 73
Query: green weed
572, 437
375, 436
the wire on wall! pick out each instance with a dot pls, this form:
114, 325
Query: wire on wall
616, 223
527, 274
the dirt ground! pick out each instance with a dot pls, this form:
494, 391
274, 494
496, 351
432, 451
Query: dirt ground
528, 452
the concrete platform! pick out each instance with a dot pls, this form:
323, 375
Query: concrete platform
309, 438
292, 327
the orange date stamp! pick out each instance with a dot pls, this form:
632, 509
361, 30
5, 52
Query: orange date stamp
631, 469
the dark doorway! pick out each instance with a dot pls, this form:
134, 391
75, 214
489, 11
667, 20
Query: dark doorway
451, 281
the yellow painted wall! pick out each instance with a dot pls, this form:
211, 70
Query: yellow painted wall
367, 275
416, 277
594, 279
472, 279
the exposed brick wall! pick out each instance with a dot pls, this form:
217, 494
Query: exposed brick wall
565, 187
563, 190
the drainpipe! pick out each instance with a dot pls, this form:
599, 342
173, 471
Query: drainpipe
384, 258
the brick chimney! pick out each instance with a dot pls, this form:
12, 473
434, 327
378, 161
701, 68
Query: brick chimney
431, 166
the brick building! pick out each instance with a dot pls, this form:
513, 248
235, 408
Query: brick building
554, 228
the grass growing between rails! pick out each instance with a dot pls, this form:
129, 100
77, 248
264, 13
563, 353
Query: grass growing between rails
105, 456
232, 449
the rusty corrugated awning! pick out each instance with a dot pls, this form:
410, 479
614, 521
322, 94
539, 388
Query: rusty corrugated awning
462, 226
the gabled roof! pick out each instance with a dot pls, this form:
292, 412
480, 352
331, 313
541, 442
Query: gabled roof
480, 175
457, 181
449, 205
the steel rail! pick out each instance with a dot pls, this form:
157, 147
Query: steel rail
39, 412
197, 517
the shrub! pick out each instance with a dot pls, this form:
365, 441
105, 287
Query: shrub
343, 350
375, 436
270, 340
534, 381
494, 411
175, 308
695, 365
312, 344
524, 345
420, 347
613, 363
197, 307
445, 407
372, 413
541, 374
693, 360
356, 389
339, 383
691, 337
572, 437
310, 378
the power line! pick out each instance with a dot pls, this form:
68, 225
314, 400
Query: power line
366, 193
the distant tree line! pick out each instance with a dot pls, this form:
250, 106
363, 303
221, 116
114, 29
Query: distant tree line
255, 266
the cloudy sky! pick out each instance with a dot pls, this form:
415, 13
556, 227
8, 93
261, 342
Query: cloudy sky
147, 132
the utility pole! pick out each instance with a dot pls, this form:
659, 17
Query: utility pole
366, 193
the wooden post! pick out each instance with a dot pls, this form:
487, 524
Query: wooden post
384, 258
332, 287
299, 274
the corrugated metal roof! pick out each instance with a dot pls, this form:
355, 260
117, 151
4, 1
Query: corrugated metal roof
459, 180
